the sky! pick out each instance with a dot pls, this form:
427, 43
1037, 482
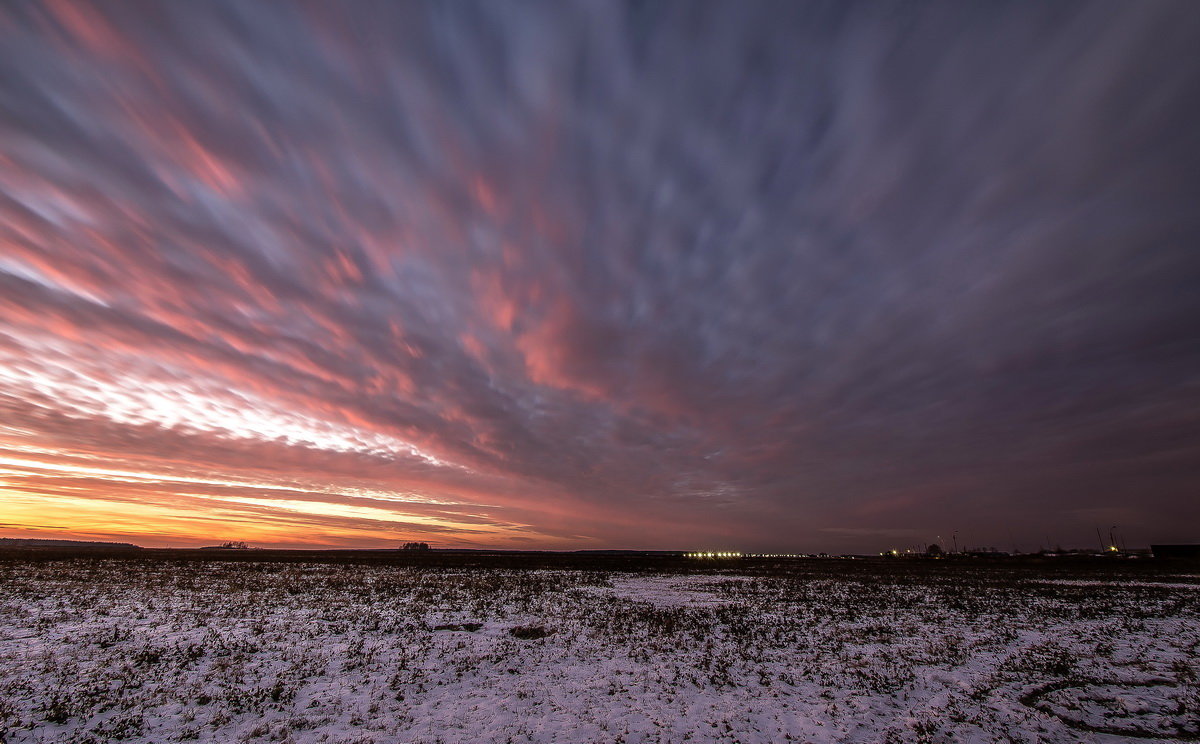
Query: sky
804, 276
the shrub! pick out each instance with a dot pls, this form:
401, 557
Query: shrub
529, 632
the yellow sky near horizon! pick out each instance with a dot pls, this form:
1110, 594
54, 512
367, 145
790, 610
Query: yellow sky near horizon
70, 501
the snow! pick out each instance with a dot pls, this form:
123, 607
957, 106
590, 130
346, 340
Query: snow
143, 651
1146, 709
1120, 584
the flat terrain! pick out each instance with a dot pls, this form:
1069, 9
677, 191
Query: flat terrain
360, 647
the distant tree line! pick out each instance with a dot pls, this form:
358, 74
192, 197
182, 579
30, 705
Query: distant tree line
37, 542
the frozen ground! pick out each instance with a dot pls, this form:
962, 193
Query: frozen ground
143, 651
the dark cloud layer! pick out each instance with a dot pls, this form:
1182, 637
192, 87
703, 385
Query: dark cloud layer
772, 275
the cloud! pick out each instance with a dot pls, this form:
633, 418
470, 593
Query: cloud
608, 274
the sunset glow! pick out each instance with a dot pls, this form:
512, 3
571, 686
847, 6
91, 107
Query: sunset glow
508, 276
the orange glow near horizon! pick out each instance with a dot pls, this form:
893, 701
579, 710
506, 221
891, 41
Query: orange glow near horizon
54, 495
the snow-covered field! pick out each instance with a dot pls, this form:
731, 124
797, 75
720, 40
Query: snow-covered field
158, 651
